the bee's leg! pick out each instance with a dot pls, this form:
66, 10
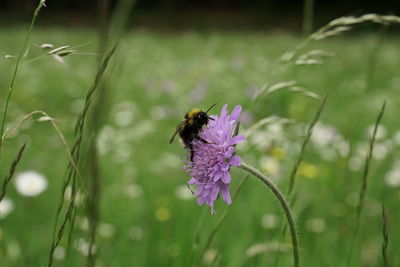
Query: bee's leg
201, 139
191, 151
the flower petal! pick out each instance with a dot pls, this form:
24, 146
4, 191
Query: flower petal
225, 194
214, 192
236, 139
236, 160
200, 201
192, 181
235, 113
229, 152
218, 175
226, 178
224, 112
225, 167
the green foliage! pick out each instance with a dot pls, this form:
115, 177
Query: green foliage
154, 79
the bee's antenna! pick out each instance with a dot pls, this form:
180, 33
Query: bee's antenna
210, 108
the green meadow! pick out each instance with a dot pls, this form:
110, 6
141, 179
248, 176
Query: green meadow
147, 216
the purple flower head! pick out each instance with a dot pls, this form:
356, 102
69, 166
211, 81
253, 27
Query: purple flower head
211, 162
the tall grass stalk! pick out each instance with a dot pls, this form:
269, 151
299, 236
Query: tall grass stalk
364, 183
306, 140
284, 204
196, 239
108, 31
20, 55
93, 201
79, 132
374, 56
10, 174
99, 110
308, 16
293, 173
385, 237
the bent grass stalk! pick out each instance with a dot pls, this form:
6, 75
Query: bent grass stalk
285, 206
9, 134
339, 26
20, 55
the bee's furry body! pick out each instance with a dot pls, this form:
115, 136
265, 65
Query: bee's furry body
190, 128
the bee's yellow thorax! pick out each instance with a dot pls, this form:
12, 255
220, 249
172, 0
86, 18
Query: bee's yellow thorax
192, 113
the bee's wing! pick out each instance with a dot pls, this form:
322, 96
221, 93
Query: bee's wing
178, 128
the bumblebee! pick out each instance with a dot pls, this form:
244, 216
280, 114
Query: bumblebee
190, 128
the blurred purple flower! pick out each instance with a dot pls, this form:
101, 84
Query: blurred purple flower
199, 92
246, 117
212, 161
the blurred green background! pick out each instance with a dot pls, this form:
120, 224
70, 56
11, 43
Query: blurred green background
148, 217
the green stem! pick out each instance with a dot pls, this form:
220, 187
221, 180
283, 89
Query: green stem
285, 205
308, 17
20, 55
216, 227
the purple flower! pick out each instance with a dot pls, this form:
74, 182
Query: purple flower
212, 161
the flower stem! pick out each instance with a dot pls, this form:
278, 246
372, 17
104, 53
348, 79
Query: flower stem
285, 205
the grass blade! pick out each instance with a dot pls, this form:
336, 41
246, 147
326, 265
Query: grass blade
364, 184
305, 143
385, 235
10, 174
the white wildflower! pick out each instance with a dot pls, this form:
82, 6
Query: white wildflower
6, 207
30, 183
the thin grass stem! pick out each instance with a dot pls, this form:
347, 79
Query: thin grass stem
305, 143
385, 237
20, 55
79, 131
364, 184
308, 16
196, 239
373, 58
